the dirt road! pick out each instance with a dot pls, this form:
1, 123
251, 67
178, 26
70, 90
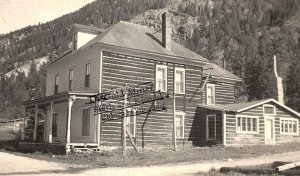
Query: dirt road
17, 165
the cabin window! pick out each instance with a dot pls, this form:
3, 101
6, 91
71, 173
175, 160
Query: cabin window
210, 127
130, 121
87, 75
247, 124
70, 79
54, 125
161, 78
86, 122
56, 84
210, 94
288, 126
179, 123
75, 41
269, 109
179, 80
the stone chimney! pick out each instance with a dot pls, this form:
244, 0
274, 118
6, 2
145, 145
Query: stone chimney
166, 31
279, 83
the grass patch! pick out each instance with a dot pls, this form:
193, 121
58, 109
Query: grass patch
157, 157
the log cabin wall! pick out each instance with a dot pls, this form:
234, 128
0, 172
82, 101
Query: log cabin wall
198, 131
156, 128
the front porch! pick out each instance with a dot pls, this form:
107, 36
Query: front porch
62, 122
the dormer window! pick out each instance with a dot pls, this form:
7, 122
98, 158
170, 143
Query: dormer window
87, 75
75, 35
210, 94
56, 84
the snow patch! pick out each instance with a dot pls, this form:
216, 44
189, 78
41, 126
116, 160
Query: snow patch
25, 68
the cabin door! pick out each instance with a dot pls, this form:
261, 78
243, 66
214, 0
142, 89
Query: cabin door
269, 131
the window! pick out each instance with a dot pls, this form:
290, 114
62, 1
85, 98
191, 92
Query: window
70, 79
75, 41
210, 94
179, 123
86, 122
211, 127
56, 84
130, 121
288, 126
269, 109
247, 124
161, 78
179, 81
87, 75
54, 125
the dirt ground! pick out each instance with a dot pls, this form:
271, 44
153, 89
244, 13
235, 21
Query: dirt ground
11, 164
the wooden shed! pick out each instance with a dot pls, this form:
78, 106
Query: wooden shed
262, 122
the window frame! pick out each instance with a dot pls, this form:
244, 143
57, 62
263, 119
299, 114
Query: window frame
87, 77
165, 67
267, 105
207, 127
182, 114
246, 127
134, 121
214, 94
289, 120
183, 88
71, 79
88, 130
56, 84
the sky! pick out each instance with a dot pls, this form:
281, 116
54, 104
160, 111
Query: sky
16, 14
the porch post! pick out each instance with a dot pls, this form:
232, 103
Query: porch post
35, 123
24, 125
71, 100
98, 129
50, 122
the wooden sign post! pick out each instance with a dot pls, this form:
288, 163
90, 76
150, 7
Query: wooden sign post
124, 125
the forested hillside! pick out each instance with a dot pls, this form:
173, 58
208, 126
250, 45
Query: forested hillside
243, 34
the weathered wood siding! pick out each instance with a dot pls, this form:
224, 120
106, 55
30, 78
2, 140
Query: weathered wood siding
77, 62
198, 132
235, 138
156, 128
224, 93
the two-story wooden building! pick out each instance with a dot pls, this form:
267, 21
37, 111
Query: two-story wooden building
132, 54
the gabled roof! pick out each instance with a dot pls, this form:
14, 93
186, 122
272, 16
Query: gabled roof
240, 107
86, 28
143, 38
219, 72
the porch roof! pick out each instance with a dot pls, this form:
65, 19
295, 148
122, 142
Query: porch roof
57, 98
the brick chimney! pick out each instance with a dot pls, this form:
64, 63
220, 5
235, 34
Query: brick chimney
166, 31
279, 85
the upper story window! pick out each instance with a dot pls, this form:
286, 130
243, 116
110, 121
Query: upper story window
56, 84
211, 127
210, 94
75, 41
70, 79
86, 122
179, 123
247, 124
87, 75
179, 80
269, 110
288, 126
131, 121
161, 78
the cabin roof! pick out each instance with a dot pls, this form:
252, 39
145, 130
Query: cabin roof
239, 107
86, 28
219, 72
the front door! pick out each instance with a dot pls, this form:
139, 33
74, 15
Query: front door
269, 131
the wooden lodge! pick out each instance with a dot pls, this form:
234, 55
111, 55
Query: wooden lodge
199, 109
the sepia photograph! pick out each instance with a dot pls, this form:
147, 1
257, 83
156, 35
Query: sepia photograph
150, 87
